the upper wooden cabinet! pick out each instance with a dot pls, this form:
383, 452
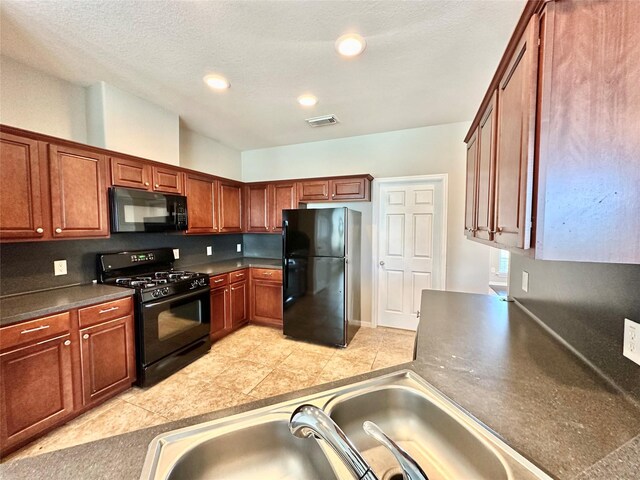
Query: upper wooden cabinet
565, 106
356, 188
78, 193
137, 174
257, 206
313, 190
230, 206
22, 194
202, 203
471, 182
282, 197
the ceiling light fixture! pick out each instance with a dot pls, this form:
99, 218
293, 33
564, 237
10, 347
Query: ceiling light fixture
307, 100
350, 45
217, 82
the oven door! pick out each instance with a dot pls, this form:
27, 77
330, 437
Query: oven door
169, 324
140, 211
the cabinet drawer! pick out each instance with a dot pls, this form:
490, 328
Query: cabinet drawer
104, 311
267, 274
219, 280
238, 276
33, 330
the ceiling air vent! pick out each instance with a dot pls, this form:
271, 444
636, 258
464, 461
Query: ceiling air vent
322, 121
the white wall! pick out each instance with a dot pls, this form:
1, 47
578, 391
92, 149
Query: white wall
207, 155
120, 121
418, 151
33, 100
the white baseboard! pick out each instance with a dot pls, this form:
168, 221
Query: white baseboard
362, 323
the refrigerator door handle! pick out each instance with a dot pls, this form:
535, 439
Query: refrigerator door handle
285, 263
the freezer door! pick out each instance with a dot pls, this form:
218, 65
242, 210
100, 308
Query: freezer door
314, 232
314, 300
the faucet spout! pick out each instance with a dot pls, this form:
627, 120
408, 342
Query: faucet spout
308, 420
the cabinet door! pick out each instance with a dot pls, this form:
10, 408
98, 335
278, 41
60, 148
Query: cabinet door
348, 189
266, 302
167, 180
486, 172
107, 359
238, 303
471, 186
130, 173
283, 197
78, 193
21, 196
230, 207
257, 208
202, 201
36, 390
516, 137
220, 320
313, 190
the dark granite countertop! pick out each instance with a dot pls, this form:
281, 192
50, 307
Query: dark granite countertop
18, 308
225, 266
486, 355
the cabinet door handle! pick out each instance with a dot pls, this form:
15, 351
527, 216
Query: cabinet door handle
157, 186
29, 330
58, 230
146, 184
67, 343
499, 230
108, 310
39, 230
85, 336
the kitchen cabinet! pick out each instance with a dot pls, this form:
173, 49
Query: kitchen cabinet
257, 208
130, 173
344, 189
471, 184
107, 359
22, 198
266, 296
51, 369
166, 180
313, 190
78, 193
220, 319
238, 303
283, 197
556, 170
202, 203
230, 207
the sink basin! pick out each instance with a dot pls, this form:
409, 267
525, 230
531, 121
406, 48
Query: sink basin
448, 443
442, 446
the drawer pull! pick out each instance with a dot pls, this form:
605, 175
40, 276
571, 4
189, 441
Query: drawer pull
67, 343
218, 280
106, 310
29, 330
267, 274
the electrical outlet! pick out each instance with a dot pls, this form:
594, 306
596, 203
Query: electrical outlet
209, 250
525, 281
176, 253
59, 267
238, 247
631, 340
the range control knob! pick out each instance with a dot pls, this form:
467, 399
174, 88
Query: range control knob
155, 293
165, 291
201, 281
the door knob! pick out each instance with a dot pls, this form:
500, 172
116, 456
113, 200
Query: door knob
58, 230
85, 336
146, 184
40, 230
382, 263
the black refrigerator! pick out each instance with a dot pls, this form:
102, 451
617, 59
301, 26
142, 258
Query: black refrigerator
321, 274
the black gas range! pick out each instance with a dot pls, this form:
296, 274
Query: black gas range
172, 309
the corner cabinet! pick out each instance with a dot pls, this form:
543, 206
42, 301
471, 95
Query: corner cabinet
266, 296
552, 177
230, 206
202, 203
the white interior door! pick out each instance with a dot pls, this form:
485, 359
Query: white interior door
410, 248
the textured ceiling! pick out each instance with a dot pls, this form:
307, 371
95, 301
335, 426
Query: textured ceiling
426, 62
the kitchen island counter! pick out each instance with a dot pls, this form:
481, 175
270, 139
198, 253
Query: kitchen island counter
486, 355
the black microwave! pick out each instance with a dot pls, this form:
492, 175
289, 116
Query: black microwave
140, 211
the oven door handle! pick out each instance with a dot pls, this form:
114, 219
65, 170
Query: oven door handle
160, 301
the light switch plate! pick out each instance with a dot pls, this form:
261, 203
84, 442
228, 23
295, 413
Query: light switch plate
176, 253
59, 267
238, 247
631, 348
525, 281
209, 250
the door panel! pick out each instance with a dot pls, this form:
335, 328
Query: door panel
202, 200
78, 193
266, 301
130, 173
315, 233
410, 245
471, 182
220, 319
283, 197
348, 189
230, 207
167, 180
257, 208
21, 197
238, 303
313, 190
486, 171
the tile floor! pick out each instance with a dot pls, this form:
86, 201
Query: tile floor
254, 362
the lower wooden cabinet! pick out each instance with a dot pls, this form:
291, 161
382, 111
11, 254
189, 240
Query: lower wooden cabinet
36, 390
238, 303
266, 296
107, 358
219, 312
51, 370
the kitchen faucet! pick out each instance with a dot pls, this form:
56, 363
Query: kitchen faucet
308, 420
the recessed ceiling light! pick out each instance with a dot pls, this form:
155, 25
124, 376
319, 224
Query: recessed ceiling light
350, 45
307, 100
217, 82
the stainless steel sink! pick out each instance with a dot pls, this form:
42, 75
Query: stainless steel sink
446, 442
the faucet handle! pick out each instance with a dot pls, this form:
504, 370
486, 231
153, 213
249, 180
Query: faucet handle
410, 468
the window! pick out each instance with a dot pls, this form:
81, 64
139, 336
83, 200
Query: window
499, 267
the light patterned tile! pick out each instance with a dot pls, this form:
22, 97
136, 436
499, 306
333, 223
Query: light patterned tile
386, 358
308, 362
271, 354
315, 348
212, 398
242, 376
338, 368
282, 381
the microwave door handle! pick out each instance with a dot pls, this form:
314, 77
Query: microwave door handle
193, 293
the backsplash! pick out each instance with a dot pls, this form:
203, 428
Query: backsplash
262, 245
585, 304
29, 266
